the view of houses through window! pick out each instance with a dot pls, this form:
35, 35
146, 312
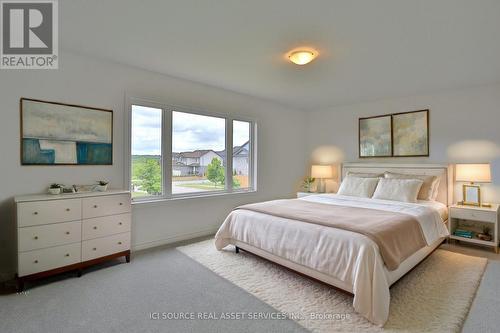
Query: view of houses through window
241, 154
198, 153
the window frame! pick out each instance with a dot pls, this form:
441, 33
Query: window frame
166, 150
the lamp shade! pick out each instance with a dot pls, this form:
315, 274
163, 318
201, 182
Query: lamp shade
321, 171
478, 173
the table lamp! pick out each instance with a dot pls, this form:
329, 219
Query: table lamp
320, 172
473, 173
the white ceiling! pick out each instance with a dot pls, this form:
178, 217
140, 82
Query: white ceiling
368, 49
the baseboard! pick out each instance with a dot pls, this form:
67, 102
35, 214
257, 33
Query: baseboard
173, 239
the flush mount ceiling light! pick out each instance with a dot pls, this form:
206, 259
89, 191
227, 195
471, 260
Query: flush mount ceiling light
302, 57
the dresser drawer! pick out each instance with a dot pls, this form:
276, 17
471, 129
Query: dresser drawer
104, 246
474, 215
32, 238
48, 211
105, 226
53, 257
106, 205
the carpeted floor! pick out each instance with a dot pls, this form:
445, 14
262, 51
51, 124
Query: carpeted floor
484, 313
121, 297
434, 297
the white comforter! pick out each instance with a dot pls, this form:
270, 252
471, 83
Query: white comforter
352, 260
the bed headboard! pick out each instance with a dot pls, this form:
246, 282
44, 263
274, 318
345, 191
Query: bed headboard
443, 171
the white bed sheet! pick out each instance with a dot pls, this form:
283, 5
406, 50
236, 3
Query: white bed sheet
352, 260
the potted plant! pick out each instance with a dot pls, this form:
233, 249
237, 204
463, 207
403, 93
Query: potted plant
55, 188
307, 183
102, 186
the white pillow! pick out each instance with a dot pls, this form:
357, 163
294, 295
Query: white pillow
358, 187
436, 191
430, 183
405, 190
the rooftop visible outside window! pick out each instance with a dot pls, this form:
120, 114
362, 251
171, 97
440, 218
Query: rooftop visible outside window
198, 153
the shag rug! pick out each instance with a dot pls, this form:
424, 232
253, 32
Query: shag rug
434, 297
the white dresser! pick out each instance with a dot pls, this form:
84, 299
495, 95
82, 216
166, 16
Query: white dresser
59, 233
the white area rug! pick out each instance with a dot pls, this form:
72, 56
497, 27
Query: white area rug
434, 297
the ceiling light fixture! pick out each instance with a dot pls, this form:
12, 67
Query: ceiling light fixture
302, 57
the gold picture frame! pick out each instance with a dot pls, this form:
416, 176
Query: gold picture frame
472, 195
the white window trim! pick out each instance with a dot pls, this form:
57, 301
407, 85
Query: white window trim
166, 144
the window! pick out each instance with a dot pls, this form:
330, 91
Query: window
241, 154
146, 159
198, 153
176, 153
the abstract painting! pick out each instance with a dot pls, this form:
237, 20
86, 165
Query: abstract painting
411, 133
375, 137
63, 134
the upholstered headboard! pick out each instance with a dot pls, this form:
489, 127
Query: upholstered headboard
443, 171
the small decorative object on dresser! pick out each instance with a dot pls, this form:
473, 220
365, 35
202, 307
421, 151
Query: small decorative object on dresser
101, 186
68, 233
473, 224
55, 189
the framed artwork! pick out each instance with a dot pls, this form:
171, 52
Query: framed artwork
472, 195
410, 133
64, 134
375, 136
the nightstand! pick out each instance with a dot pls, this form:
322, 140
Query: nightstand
475, 218
305, 194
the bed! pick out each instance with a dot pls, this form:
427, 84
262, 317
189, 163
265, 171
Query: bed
345, 259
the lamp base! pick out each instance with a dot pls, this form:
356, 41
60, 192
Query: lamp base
320, 188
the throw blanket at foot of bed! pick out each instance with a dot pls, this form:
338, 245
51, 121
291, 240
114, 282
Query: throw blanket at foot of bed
397, 235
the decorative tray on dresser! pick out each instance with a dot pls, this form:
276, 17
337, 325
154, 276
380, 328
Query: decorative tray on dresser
67, 232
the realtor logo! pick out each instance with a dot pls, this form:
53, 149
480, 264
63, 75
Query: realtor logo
29, 36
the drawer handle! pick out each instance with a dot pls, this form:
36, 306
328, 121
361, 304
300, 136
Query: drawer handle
67, 232
66, 255
35, 262
36, 237
95, 206
35, 213
121, 203
95, 228
119, 243
95, 248
67, 209
119, 223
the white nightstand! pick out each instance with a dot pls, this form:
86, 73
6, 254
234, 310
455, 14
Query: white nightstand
305, 194
474, 218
